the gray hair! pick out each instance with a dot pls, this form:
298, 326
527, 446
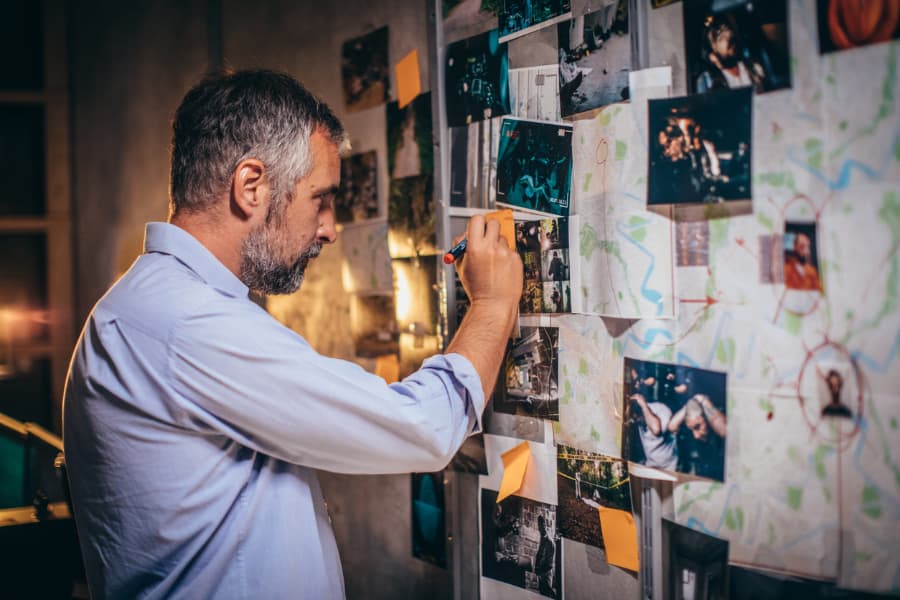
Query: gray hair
230, 117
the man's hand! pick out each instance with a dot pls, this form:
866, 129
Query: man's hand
490, 272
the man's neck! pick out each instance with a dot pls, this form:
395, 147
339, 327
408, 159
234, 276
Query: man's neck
216, 236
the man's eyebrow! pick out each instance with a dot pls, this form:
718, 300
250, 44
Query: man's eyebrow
326, 191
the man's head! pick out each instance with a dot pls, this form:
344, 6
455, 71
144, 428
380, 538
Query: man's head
260, 131
542, 525
694, 419
803, 248
722, 40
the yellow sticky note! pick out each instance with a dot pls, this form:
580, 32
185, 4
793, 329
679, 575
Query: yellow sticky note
388, 367
507, 225
619, 537
514, 462
408, 84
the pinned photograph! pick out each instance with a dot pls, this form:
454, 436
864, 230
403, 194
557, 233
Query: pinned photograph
835, 393
700, 148
594, 59
534, 166
692, 243
518, 17
801, 259
357, 198
847, 24
374, 325
675, 418
409, 139
473, 163
364, 70
585, 481
529, 385
520, 544
534, 92
476, 79
411, 225
771, 258
465, 18
544, 248
735, 44
429, 536
416, 294
697, 563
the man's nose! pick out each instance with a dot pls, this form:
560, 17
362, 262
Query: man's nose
327, 234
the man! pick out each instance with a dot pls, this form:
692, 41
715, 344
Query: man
703, 451
835, 408
728, 65
651, 421
799, 272
544, 560
193, 420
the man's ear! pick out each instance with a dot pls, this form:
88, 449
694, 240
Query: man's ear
250, 189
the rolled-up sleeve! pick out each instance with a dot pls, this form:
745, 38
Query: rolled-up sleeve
235, 370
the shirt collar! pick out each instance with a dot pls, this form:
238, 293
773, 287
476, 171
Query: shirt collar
170, 239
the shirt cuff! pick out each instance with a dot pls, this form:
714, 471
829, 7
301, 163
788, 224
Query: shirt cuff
461, 369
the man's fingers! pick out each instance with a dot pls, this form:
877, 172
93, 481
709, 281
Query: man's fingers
475, 229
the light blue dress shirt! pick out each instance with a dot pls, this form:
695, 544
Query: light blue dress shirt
193, 422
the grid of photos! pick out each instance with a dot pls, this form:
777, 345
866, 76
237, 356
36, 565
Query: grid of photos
594, 59
530, 375
544, 248
364, 70
700, 148
428, 523
735, 44
357, 198
476, 79
411, 225
520, 544
675, 418
409, 138
534, 166
801, 259
585, 481
845, 25
698, 563
518, 17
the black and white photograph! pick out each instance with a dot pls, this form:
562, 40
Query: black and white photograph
585, 481
520, 543
357, 199
700, 148
736, 43
692, 243
697, 563
473, 163
674, 418
429, 536
801, 257
534, 166
848, 24
416, 294
374, 325
529, 377
364, 70
476, 78
594, 59
411, 225
409, 139
519, 17
834, 384
771, 258
544, 247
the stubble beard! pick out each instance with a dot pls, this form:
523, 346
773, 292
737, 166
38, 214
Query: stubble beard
263, 268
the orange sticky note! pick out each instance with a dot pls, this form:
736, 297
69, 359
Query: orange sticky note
514, 462
408, 84
387, 367
619, 537
507, 225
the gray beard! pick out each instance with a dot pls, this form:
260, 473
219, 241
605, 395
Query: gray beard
264, 272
